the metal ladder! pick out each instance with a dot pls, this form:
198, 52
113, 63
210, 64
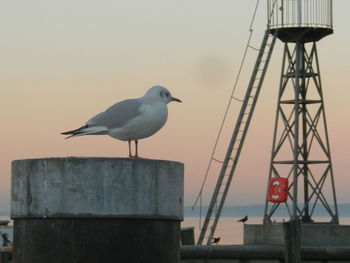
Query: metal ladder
237, 139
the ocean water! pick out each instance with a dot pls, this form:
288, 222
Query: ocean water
231, 232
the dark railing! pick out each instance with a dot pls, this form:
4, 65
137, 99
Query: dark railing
299, 13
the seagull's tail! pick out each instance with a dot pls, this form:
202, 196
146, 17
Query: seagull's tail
86, 130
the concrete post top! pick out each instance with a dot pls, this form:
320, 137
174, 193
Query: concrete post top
81, 187
94, 159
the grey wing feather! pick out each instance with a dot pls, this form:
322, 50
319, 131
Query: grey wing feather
117, 115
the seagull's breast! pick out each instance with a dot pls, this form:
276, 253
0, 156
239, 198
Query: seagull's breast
152, 118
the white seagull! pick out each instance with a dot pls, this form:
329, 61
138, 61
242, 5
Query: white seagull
131, 119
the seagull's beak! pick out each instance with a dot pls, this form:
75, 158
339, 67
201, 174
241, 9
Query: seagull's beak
175, 99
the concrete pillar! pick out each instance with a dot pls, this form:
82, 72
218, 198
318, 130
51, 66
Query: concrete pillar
96, 210
292, 244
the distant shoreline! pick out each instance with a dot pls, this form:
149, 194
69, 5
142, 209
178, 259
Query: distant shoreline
258, 211
242, 210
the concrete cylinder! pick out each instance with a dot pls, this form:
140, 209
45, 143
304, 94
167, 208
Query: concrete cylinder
96, 210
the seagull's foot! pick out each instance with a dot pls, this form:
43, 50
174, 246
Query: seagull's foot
136, 149
134, 156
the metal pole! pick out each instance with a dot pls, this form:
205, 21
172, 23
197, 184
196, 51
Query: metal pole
335, 219
298, 59
299, 12
331, 13
274, 150
304, 148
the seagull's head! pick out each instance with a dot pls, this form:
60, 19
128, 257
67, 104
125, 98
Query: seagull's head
160, 93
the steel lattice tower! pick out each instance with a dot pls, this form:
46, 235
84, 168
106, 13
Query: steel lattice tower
300, 150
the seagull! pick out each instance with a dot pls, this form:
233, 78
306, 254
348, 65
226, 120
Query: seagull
243, 220
131, 119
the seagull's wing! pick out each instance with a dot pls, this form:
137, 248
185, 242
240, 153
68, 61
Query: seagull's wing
117, 115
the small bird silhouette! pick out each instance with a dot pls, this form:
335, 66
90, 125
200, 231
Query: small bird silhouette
215, 240
6, 241
243, 220
132, 119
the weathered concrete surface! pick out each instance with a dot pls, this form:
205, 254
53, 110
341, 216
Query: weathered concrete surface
187, 236
232, 252
268, 234
89, 240
311, 234
261, 254
69, 210
97, 187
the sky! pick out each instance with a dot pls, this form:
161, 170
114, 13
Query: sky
64, 61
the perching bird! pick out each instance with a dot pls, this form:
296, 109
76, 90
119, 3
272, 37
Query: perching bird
215, 240
243, 220
5, 240
131, 119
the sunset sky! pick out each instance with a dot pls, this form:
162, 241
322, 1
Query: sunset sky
64, 61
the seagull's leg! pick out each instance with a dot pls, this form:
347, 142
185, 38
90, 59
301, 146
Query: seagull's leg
130, 155
136, 149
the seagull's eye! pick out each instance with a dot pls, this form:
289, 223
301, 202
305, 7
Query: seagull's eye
167, 94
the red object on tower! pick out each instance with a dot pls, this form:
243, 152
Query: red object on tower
278, 190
